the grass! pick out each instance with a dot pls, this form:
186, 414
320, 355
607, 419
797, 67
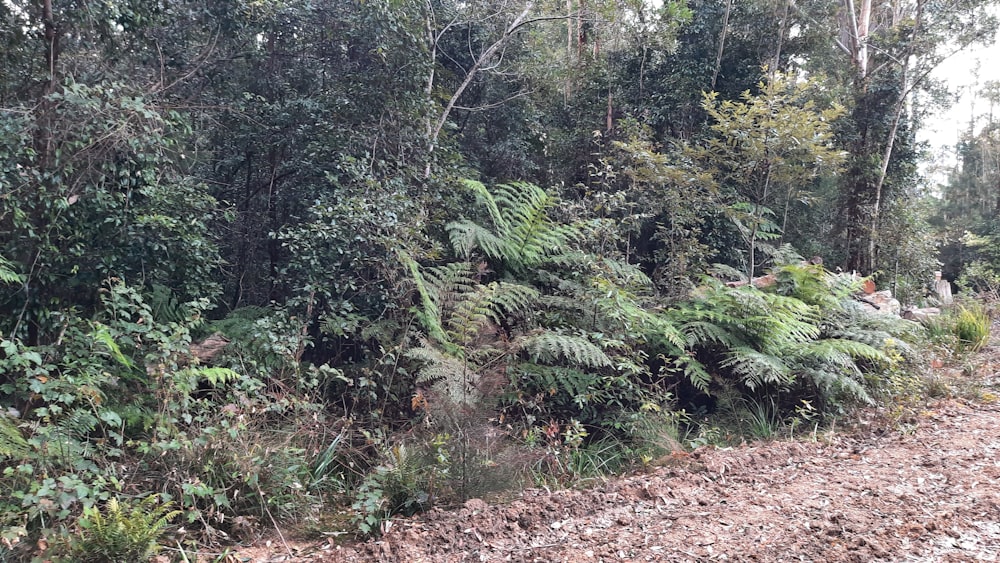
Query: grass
972, 328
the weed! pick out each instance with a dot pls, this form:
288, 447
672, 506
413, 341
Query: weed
936, 387
972, 327
763, 417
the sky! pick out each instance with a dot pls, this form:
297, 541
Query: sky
964, 74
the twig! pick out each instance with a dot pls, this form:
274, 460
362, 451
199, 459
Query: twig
275, 522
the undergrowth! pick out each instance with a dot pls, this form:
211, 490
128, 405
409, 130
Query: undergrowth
527, 357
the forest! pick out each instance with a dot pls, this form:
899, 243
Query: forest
317, 263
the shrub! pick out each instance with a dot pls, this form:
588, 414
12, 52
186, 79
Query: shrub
972, 327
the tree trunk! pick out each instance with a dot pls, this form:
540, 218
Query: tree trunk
722, 43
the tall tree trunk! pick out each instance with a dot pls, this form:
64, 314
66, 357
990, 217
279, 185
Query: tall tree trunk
722, 43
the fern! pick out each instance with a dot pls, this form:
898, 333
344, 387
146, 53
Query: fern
448, 375
103, 336
757, 369
12, 443
123, 532
7, 273
523, 236
833, 383
487, 304
164, 304
553, 347
239, 325
216, 376
454, 308
429, 314
840, 351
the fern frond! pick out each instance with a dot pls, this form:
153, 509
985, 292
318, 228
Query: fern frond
466, 236
238, 325
702, 333
164, 304
523, 236
663, 330
832, 383
216, 376
840, 351
446, 374
487, 199
7, 273
445, 283
429, 314
123, 531
554, 347
695, 372
12, 443
103, 336
623, 273
756, 369
486, 304
77, 423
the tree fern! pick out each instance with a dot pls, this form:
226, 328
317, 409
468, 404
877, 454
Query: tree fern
429, 313
839, 351
487, 304
556, 348
756, 369
522, 235
833, 384
454, 308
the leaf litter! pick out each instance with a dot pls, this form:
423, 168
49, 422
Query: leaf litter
924, 490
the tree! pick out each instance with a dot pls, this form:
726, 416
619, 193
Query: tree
892, 48
765, 150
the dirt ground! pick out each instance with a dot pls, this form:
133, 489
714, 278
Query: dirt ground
922, 488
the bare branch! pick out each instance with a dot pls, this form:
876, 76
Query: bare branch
493, 105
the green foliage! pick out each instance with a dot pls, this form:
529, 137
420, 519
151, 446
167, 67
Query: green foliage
122, 386
122, 532
981, 278
565, 349
13, 446
402, 483
522, 237
805, 338
7, 273
766, 149
273, 172
972, 327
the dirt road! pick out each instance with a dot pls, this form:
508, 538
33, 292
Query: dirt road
930, 492
923, 489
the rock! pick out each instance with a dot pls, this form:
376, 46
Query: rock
868, 286
882, 302
943, 289
209, 348
921, 315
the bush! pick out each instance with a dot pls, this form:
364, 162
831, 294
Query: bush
972, 327
120, 404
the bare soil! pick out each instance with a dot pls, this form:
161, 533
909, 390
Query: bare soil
921, 487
